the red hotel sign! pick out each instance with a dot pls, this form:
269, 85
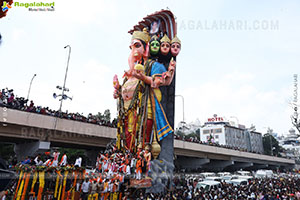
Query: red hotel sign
215, 119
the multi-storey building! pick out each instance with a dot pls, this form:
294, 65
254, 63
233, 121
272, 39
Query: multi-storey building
222, 132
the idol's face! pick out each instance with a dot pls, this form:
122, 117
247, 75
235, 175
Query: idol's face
137, 49
154, 47
165, 48
175, 48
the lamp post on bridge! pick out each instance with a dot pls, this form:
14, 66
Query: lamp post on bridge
64, 89
30, 86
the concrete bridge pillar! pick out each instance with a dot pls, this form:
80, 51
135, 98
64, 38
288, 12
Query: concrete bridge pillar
241, 165
191, 163
218, 165
30, 149
257, 166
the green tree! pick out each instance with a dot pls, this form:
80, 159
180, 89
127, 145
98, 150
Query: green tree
179, 132
100, 116
107, 115
271, 144
6, 151
194, 135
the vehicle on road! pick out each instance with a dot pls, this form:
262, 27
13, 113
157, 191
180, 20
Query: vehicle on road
207, 174
213, 178
264, 174
207, 185
243, 173
237, 182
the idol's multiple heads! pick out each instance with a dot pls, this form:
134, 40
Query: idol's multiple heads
165, 46
161, 48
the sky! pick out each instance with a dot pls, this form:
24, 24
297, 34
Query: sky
237, 60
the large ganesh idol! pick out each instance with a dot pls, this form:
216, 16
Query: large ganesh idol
142, 119
146, 95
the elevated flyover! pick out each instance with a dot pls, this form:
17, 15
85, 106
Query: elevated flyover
31, 132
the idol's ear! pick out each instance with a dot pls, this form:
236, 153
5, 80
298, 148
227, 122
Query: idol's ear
146, 52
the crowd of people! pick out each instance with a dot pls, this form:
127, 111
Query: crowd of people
110, 179
262, 189
10, 100
49, 160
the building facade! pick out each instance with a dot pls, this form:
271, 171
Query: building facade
237, 137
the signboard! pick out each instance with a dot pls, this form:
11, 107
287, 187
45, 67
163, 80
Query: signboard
215, 119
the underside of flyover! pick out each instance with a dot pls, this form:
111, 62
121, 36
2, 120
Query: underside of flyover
197, 164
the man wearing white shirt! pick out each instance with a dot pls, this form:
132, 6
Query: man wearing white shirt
85, 187
78, 162
128, 172
55, 158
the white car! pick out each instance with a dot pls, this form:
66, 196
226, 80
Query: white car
239, 181
207, 174
244, 173
221, 174
264, 174
245, 177
213, 178
207, 185
227, 179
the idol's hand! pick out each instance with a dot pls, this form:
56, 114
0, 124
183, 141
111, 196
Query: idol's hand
116, 82
172, 66
116, 94
138, 74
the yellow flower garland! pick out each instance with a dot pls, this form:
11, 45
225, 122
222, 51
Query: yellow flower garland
57, 184
33, 181
42, 184
64, 185
21, 187
20, 178
25, 186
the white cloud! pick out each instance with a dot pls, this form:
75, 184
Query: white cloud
90, 89
18, 34
96, 11
235, 95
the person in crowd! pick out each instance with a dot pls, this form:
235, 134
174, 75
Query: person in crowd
48, 162
10, 100
63, 161
139, 166
55, 158
78, 162
94, 189
26, 161
85, 188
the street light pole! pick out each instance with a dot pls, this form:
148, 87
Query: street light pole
30, 86
64, 86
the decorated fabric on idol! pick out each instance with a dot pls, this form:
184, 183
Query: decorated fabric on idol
142, 120
128, 93
162, 124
